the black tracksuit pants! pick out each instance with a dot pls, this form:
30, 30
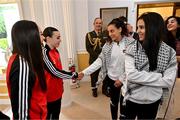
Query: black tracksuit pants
114, 98
53, 110
141, 111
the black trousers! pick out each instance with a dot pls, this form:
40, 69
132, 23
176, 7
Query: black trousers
141, 111
53, 110
122, 108
105, 87
94, 78
114, 97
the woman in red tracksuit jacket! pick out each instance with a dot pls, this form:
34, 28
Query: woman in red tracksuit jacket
54, 82
25, 74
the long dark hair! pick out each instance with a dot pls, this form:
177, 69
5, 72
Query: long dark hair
119, 24
171, 40
154, 34
48, 32
26, 43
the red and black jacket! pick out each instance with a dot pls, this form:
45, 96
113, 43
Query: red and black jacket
54, 81
52, 69
28, 101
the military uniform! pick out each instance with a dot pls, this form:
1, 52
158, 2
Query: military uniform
94, 44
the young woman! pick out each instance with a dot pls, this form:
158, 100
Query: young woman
25, 73
111, 61
173, 36
173, 31
150, 67
50, 66
54, 81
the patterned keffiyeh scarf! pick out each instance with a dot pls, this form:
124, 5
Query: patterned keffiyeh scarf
141, 60
165, 61
142, 63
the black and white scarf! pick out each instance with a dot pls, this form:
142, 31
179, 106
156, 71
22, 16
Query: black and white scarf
141, 59
142, 62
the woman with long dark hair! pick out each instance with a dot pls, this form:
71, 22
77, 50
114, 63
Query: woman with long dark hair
111, 61
173, 31
150, 67
173, 36
25, 73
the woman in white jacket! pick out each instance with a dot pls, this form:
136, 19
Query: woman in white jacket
111, 61
150, 67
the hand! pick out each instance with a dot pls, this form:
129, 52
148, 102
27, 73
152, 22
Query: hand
75, 75
118, 83
80, 75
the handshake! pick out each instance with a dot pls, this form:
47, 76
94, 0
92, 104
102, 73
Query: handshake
77, 76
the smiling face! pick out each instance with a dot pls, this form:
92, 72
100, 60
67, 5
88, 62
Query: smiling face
141, 29
172, 24
114, 32
98, 24
55, 40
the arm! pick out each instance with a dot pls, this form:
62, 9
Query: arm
151, 78
93, 67
122, 77
169, 75
50, 67
139, 77
21, 87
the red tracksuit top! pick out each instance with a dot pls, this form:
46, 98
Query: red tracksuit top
28, 101
54, 84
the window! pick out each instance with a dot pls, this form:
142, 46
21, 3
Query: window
9, 14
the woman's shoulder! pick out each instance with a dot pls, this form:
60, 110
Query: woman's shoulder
131, 47
12, 63
107, 46
129, 40
167, 48
165, 45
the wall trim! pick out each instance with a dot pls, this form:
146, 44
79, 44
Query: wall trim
82, 52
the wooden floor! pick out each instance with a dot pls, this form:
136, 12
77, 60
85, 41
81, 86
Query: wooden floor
86, 107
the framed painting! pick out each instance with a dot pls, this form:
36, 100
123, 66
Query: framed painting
107, 14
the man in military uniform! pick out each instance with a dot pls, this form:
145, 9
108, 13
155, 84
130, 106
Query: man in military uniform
94, 43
